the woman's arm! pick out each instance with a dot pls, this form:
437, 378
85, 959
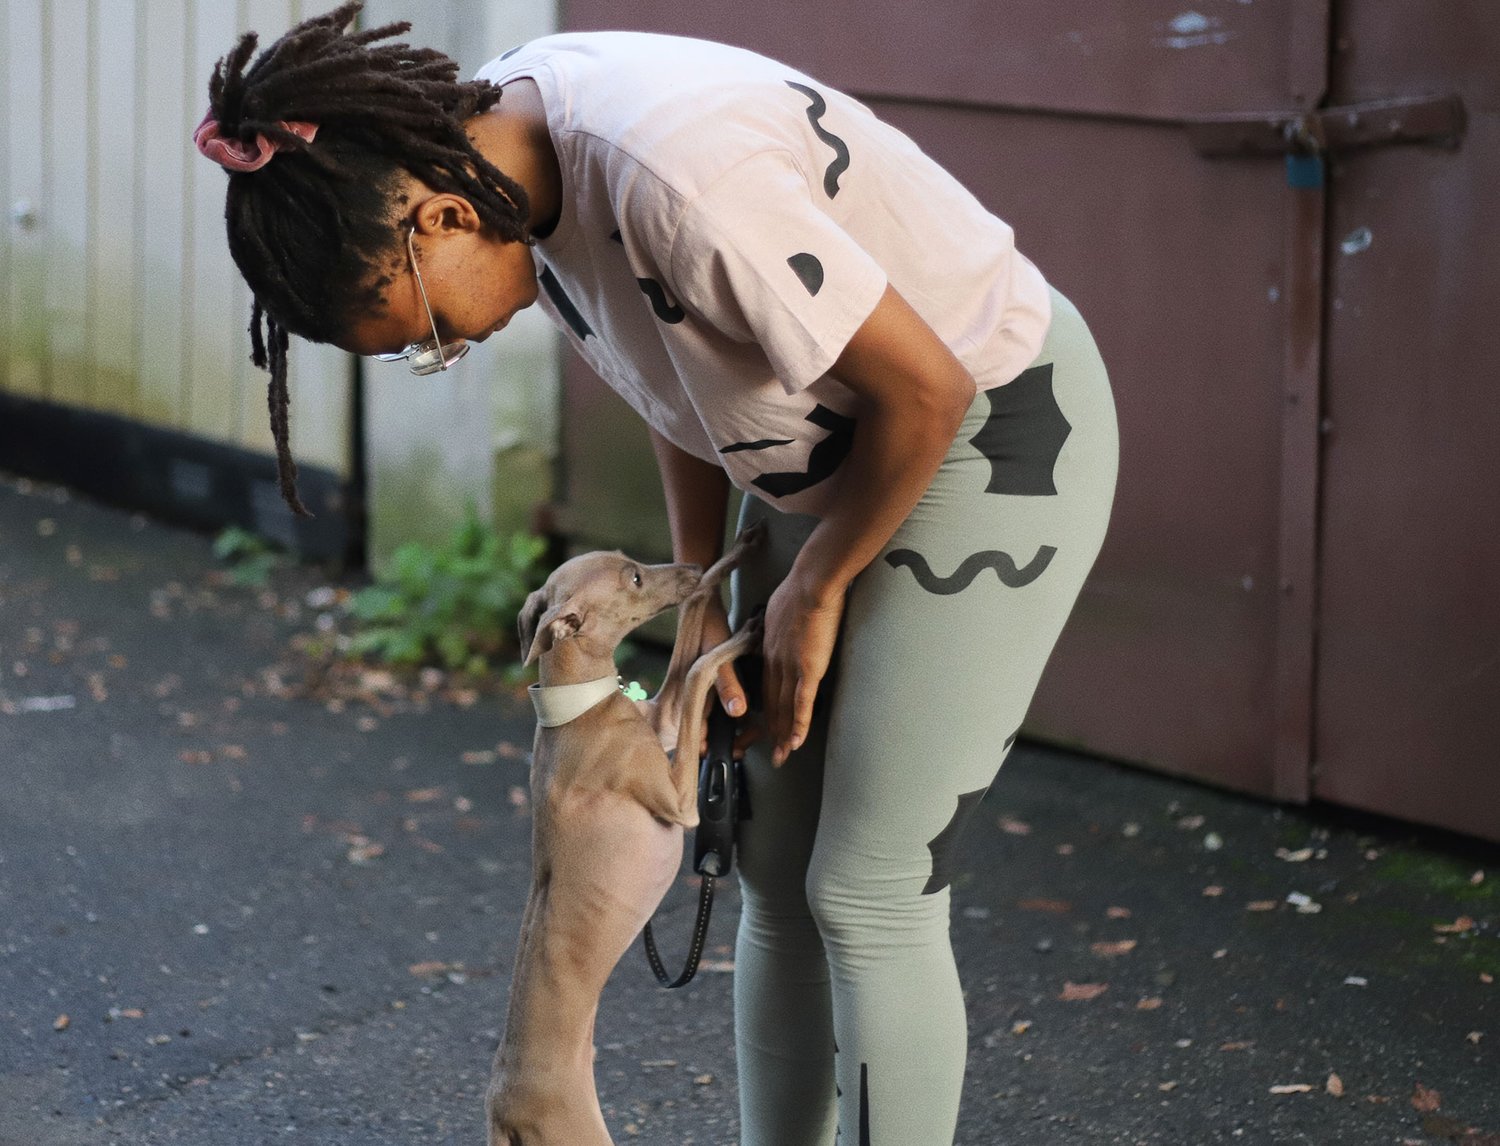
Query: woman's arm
912, 396
697, 494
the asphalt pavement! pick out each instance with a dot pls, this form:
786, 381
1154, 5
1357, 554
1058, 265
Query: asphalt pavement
246, 899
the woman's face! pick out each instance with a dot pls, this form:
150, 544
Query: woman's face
475, 282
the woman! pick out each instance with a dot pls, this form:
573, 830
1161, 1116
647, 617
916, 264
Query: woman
799, 301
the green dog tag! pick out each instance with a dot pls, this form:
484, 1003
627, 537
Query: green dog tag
634, 691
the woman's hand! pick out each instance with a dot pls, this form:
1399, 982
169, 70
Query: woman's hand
801, 627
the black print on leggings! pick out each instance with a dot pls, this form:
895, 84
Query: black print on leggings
815, 112
1023, 435
1002, 563
864, 1104
944, 845
668, 312
822, 460
564, 304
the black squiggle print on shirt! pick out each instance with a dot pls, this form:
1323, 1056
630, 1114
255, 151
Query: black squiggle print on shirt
815, 113
824, 458
564, 305
668, 312
759, 444
1002, 563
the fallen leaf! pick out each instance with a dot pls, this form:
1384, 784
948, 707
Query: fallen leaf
1050, 906
1261, 905
1081, 992
1239, 1046
364, 853
1189, 823
1457, 927
1213, 891
1020, 1026
1334, 1086
61, 1023
1117, 912
1474, 1037
1302, 855
432, 967
1014, 826
1291, 1088
1425, 1099
1166, 1086
703, 1080
1108, 950
478, 757
1150, 1004
508, 751
424, 795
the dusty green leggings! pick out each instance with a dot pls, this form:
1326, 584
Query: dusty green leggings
849, 1020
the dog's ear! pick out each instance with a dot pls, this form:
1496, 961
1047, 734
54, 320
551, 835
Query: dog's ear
557, 624
527, 619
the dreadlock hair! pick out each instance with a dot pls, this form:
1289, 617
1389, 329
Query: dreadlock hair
310, 229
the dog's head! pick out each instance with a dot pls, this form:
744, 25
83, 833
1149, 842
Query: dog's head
599, 598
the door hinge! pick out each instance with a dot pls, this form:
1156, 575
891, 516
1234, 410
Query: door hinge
1436, 120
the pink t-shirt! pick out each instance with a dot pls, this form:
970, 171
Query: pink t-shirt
728, 224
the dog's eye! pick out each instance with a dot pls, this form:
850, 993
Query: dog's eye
635, 578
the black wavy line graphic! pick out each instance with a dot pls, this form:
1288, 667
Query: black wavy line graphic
564, 304
1002, 563
665, 311
760, 444
815, 113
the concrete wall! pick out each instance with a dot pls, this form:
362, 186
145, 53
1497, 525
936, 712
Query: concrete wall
486, 430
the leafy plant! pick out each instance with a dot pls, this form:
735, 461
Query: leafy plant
250, 558
455, 603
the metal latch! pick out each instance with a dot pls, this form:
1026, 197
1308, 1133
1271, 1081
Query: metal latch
1437, 120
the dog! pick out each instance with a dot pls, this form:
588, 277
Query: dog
609, 809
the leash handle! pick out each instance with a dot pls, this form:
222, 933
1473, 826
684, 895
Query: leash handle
718, 798
695, 948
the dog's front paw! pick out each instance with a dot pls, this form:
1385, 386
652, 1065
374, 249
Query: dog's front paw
753, 536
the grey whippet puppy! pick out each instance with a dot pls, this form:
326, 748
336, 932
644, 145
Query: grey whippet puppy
609, 808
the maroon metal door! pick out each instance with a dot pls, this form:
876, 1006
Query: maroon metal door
1141, 158
1065, 118
1408, 693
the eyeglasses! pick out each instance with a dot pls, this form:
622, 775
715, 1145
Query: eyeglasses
433, 354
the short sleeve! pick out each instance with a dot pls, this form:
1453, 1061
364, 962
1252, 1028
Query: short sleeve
755, 258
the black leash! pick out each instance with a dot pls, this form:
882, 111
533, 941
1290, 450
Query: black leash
722, 802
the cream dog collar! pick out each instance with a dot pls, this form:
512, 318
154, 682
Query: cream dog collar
559, 703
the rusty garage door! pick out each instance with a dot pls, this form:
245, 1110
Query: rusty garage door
1176, 172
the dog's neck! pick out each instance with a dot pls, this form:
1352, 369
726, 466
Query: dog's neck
570, 685
574, 662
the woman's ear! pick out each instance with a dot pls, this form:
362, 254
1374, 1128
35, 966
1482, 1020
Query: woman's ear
444, 213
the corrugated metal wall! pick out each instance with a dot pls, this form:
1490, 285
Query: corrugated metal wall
117, 292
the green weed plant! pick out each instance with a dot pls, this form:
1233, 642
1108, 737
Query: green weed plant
455, 603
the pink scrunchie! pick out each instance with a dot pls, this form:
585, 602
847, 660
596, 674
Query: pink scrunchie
235, 155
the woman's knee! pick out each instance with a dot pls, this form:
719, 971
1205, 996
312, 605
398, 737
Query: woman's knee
862, 906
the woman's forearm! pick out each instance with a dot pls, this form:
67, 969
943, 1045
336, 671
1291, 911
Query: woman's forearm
697, 495
913, 394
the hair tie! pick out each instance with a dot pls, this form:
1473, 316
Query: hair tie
237, 155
